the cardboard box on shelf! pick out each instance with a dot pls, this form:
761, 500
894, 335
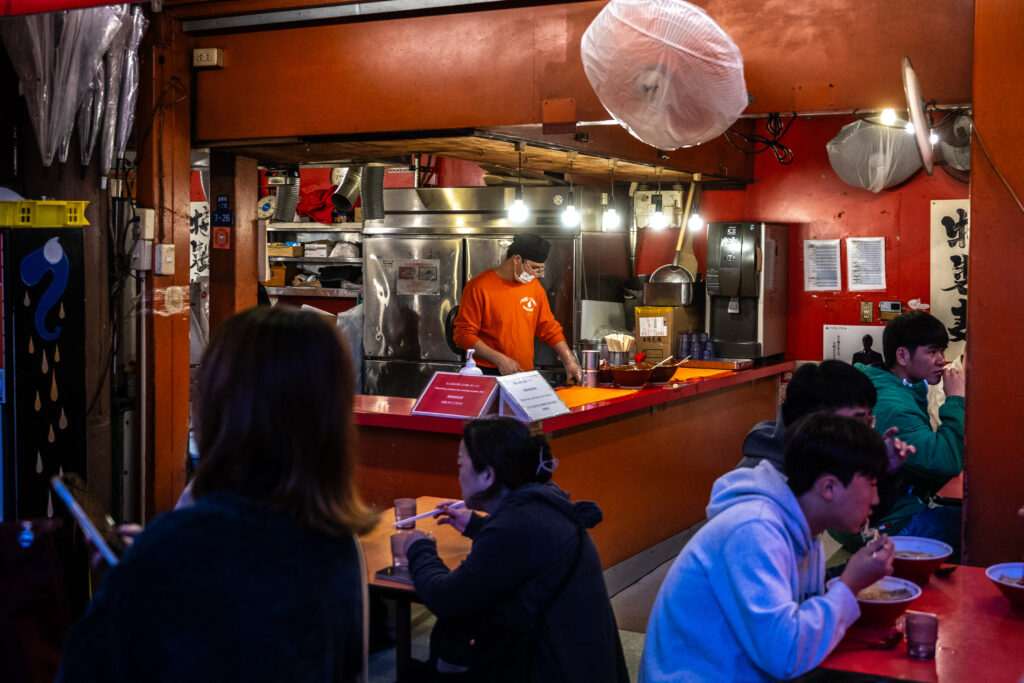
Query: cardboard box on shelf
277, 276
318, 248
282, 249
658, 328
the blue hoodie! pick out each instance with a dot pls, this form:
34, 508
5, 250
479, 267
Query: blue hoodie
745, 600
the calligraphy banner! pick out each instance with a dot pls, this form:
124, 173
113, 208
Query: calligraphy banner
950, 241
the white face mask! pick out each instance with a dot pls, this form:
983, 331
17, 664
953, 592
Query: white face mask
524, 277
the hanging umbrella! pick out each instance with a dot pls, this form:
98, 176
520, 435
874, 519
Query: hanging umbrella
114, 61
84, 37
130, 85
90, 114
29, 43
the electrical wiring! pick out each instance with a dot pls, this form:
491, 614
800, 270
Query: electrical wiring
984, 150
773, 141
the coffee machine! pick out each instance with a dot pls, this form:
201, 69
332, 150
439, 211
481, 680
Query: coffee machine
746, 289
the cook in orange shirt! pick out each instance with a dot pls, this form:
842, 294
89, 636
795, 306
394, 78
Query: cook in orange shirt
504, 308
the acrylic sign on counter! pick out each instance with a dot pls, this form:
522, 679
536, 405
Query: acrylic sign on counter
528, 396
450, 394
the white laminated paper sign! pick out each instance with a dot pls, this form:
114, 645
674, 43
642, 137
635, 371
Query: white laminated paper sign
653, 327
865, 263
418, 276
528, 397
821, 266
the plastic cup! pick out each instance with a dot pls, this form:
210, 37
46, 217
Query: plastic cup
398, 558
405, 508
922, 631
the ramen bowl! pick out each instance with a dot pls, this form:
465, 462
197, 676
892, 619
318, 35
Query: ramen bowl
661, 374
1007, 577
630, 376
884, 600
917, 558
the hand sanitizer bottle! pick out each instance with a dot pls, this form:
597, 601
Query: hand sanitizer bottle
470, 368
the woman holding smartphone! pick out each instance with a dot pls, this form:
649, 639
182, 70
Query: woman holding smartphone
529, 603
262, 578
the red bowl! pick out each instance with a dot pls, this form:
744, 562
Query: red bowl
1014, 592
630, 376
879, 613
918, 569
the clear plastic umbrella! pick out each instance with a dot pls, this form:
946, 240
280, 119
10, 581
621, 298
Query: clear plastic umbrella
90, 114
29, 43
130, 85
84, 37
114, 62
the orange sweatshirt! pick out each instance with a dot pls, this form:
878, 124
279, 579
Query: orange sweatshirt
506, 316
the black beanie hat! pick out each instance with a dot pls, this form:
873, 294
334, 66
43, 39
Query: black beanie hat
530, 247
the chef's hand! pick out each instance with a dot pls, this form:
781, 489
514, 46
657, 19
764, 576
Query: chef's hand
415, 536
458, 518
507, 366
573, 371
896, 450
869, 564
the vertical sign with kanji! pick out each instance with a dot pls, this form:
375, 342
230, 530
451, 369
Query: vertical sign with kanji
950, 240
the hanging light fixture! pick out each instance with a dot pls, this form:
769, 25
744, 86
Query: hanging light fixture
519, 212
695, 222
658, 220
570, 216
610, 220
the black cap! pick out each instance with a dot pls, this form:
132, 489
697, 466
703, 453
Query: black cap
530, 247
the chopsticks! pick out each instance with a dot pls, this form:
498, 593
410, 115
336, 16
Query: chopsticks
432, 513
619, 342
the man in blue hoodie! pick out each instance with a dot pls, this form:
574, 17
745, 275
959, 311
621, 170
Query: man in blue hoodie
745, 599
914, 347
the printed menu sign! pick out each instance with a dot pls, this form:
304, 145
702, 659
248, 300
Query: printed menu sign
450, 394
528, 396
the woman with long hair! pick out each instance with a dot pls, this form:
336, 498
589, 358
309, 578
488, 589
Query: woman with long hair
529, 603
262, 578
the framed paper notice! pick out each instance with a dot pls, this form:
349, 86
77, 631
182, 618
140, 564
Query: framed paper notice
865, 263
450, 394
821, 266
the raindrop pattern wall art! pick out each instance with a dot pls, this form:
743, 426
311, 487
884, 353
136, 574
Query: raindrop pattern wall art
42, 294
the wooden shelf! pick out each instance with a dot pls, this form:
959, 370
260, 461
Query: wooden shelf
322, 292
316, 259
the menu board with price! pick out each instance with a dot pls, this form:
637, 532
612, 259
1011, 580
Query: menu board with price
528, 396
450, 394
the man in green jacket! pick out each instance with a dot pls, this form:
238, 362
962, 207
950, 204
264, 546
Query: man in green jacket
913, 345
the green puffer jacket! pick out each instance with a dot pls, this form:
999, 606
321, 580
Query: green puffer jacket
939, 454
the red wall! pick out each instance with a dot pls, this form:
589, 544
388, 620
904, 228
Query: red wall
809, 196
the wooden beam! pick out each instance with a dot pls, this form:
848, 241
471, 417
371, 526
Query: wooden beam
164, 127
234, 183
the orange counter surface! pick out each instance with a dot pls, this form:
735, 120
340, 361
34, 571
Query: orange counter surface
647, 457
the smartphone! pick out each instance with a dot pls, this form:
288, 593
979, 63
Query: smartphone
104, 543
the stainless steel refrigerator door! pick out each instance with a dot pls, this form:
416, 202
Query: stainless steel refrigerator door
410, 287
559, 282
404, 379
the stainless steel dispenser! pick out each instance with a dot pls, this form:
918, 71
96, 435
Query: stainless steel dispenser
746, 289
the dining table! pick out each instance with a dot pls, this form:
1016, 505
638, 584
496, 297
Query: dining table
452, 548
980, 637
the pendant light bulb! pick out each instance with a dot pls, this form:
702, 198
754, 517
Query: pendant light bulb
695, 222
570, 216
658, 220
888, 117
519, 212
610, 220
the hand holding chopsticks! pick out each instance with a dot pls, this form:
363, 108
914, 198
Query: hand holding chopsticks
440, 509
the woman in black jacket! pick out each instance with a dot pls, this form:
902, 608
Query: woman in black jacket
261, 579
529, 602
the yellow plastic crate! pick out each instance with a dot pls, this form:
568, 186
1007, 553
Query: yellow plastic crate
42, 214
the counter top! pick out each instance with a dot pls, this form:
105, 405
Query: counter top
396, 413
